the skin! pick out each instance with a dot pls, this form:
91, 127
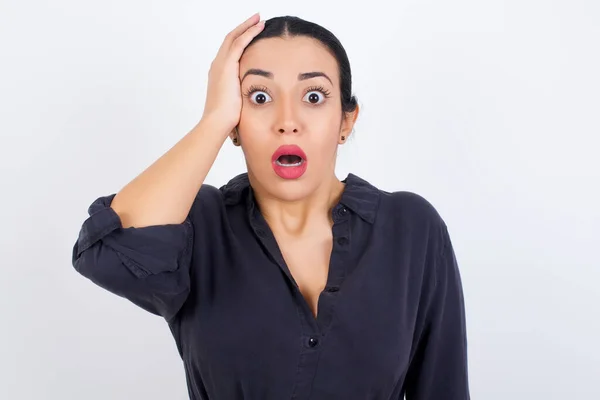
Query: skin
284, 109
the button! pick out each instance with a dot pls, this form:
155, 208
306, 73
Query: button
332, 289
260, 232
341, 212
312, 342
342, 241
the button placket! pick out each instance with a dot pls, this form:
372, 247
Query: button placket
342, 241
337, 271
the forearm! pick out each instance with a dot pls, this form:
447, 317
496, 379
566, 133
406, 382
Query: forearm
165, 191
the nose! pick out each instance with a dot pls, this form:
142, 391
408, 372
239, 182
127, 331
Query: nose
287, 121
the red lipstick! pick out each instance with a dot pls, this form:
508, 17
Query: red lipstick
289, 161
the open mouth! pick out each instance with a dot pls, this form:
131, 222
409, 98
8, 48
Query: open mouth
289, 160
289, 155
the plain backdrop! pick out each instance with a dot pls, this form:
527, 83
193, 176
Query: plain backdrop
488, 109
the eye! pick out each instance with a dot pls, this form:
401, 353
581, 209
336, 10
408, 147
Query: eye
258, 95
316, 95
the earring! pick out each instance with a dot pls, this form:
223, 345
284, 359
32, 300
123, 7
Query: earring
235, 140
343, 138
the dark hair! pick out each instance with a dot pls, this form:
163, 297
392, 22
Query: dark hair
293, 26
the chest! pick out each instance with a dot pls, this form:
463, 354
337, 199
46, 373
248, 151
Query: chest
250, 325
308, 261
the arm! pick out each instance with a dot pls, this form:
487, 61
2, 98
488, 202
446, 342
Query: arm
147, 265
138, 243
165, 191
439, 368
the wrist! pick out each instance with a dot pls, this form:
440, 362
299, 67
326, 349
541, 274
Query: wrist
216, 124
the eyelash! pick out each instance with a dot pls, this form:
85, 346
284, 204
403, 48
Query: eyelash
255, 88
326, 93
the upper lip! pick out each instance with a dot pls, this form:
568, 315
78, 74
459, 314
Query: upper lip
288, 150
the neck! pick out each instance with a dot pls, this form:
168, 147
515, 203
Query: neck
301, 217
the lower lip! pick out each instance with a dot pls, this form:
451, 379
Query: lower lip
290, 172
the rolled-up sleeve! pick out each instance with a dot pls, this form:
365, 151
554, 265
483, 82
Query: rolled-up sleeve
439, 368
150, 266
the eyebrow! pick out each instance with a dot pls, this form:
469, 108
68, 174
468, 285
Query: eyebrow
301, 77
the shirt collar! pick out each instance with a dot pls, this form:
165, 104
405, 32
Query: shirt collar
359, 195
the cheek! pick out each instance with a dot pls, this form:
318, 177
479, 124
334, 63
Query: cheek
255, 143
252, 129
323, 147
329, 129
250, 119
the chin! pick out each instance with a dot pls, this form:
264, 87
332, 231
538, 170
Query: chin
291, 190
284, 189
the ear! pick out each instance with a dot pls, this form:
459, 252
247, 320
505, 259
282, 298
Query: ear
348, 121
235, 136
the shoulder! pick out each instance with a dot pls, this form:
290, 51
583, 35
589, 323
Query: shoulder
410, 206
208, 197
212, 199
413, 214
400, 206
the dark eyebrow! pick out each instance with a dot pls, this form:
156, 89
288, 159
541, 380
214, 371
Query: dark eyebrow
259, 72
308, 75
301, 77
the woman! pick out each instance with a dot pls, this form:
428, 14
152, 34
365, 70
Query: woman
285, 282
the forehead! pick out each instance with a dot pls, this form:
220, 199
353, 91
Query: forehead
288, 57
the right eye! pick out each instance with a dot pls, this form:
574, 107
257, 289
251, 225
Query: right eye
260, 97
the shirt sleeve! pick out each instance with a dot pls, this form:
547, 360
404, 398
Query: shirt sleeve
150, 266
439, 370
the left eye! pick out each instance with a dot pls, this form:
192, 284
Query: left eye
314, 97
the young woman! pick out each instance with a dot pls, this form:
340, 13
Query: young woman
285, 283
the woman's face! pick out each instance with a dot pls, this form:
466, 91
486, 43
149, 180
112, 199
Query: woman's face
291, 96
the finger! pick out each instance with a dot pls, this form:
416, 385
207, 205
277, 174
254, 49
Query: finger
240, 44
243, 27
231, 36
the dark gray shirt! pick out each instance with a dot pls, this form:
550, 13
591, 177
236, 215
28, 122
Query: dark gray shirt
390, 321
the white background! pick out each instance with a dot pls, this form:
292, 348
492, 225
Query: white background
489, 109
